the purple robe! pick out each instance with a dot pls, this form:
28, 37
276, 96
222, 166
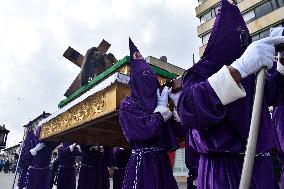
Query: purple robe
120, 160
66, 174
26, 157
94, 169
39, 173
278, 120
219, 133
149, 165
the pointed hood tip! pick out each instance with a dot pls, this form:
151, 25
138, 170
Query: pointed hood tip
132, 47
230, 37
143, 81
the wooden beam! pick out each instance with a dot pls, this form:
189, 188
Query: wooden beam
76, 84
74, 56
104, 46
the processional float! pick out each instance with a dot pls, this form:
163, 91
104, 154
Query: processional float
89, 114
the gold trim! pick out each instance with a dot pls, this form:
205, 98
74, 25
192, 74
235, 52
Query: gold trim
91, 108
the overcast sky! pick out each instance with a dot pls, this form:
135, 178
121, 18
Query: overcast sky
34, 34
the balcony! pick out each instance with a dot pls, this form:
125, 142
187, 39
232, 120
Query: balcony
206, 27
205, 6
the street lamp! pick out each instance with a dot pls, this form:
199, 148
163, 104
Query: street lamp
3, 136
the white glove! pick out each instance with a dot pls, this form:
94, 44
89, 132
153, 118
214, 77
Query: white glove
279, 31
174, 97
274, 32
258, 54
102, 149
72, 147
165, 112
37, 148
176, 116
163, 98
94, 148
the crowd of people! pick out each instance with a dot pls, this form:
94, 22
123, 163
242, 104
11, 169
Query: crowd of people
8, 166
212, 111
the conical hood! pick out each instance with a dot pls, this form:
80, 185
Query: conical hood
143, 80
228, 41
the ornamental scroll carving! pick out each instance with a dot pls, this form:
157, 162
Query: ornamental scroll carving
80, 113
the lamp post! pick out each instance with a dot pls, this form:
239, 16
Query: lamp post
3, 136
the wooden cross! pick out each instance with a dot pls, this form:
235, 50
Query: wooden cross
79, 60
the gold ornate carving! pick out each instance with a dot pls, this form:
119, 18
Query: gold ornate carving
80, 113
90, 109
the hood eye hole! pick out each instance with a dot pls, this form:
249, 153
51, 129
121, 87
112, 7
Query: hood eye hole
145, 72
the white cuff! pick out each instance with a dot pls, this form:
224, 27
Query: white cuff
225, 86
71, 147
280, 68
164, 111
39, 146
33, 152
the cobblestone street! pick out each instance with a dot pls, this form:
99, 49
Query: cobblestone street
6, 181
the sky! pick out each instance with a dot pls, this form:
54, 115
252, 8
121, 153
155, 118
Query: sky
34, 34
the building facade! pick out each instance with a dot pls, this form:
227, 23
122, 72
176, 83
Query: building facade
11, 153
260, 16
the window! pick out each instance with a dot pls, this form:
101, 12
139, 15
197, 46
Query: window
264, 34
180, 168
206, 17
249, 16
281, 3
205, 38
263, 9
201, 1
255, 37
274, 4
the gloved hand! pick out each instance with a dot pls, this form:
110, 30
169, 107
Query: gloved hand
258, 54
274, 32
94, 148
164, 111
174, 97
163, 97
176, 116
72, 147
37, 148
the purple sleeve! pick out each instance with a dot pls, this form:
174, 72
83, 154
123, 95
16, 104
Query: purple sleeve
274, 89
25, 158
198, 106
139, 125
26, 155
191, 154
